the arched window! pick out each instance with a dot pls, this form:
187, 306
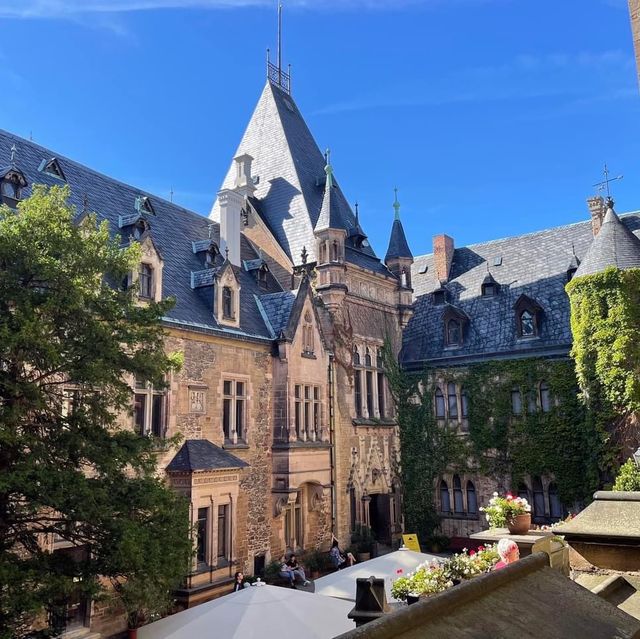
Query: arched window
454, 332
545, 398
464, 402
538, 500
555, 506
440, 409
516, 401
356, 356
227, 302
527, 324
452, 398
472, 501
458, 501
307, 334
367, 357
334, 251
445, 500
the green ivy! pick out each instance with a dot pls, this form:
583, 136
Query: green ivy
605, 322
567, 442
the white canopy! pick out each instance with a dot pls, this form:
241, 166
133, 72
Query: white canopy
257, 612
342, 584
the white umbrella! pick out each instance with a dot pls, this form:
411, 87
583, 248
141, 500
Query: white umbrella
342, 583
257, 612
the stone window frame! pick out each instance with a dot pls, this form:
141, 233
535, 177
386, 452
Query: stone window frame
213, 502
234, 379
293, 518
153, 261
525, 304
146, 277
462, 489
446, 399
12, 184
307, 412
546, 488
145, 389
368, 374
308, 341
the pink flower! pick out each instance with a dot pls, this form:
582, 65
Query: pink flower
399, 571
472, 553
509, 497
480, 548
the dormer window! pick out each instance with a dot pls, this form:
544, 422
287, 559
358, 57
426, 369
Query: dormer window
145, 281
52, 167
227, 302
489, 286
528, 314
143, 205
11, 186
439, 296
454, 332
454, 322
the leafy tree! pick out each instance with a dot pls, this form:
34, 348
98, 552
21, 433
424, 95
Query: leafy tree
67, 471
628, 477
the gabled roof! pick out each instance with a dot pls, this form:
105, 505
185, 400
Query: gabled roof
277, 310
398, 245
174, 230
534, 265
290, 171
201, 454
615, 245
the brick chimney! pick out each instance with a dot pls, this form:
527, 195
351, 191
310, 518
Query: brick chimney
598, 210
442, 256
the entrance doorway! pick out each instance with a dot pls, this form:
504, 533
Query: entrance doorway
380, 517
71, 612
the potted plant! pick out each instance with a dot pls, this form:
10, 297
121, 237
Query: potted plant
272, 572
314, 562
511, 512
362, 539
438, 543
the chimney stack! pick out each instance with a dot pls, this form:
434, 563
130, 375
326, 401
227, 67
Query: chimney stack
442, 256
371, 601
231, 203
244, 181
598, 210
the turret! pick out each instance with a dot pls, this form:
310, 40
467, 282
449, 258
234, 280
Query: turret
330, 238
399, 260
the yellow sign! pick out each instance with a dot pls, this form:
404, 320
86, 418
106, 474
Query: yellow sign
411, 542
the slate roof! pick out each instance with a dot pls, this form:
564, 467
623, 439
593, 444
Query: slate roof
535, 265
615, 245
277, 309
527, 600
398, 246
176, 232
201, 454
330, 214
291, 177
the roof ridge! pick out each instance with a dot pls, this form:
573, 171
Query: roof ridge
532, 233
104, 175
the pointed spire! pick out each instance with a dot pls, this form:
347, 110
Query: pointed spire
329, 217
615, 245
398, 246
396, 204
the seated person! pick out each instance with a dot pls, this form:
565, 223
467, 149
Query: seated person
298, 570
238, 582
286, 573
508, 551
338, 559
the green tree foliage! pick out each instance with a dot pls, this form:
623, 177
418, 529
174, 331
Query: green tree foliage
66, 470
605, 322
628, 478
426, 448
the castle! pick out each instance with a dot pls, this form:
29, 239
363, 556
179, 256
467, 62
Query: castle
282, 310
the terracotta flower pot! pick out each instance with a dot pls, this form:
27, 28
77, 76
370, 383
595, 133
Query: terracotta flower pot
520, 524
132, 633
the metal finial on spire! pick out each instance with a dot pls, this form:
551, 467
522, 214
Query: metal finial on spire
226, 253
280, 42
171, 195
304, 255
396, 204
275, 73
14, 150
328, 169
357, 212
604, 185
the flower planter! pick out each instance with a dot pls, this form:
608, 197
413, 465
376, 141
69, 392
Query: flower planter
411, 599
520, 524
364, 556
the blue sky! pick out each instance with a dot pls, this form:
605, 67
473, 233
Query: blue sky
493, 117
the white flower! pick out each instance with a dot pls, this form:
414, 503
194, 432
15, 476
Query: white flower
495, 494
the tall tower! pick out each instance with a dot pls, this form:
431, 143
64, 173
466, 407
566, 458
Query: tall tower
634, 11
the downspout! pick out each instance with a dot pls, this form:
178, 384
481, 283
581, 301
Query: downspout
334, 489
231, 514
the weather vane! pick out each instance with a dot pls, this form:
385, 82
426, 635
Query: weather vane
604, 185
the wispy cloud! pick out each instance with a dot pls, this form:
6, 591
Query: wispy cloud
525, 77
70, 8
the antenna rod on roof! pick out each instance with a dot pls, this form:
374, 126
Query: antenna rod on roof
280, 43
